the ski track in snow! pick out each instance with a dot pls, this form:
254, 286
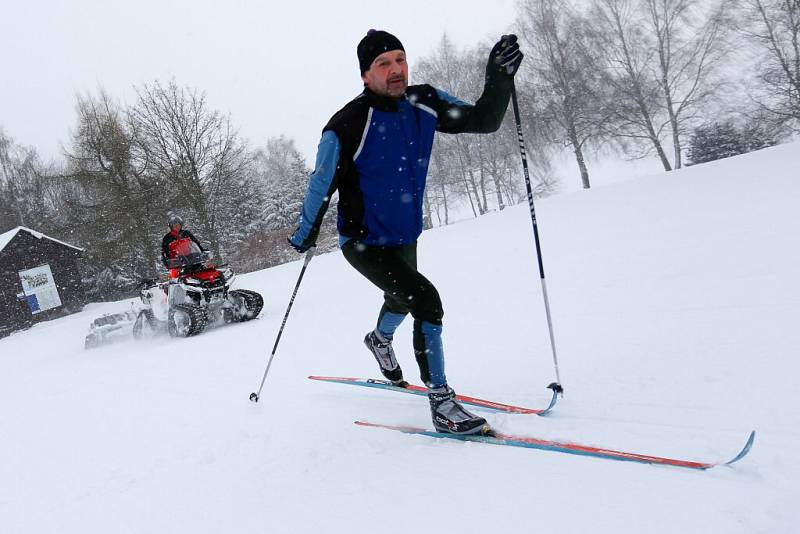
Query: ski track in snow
674, 302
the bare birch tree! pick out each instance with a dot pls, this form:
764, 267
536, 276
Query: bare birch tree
566, 75
637, 114
774, 25
483, 170
687, 36
193, 149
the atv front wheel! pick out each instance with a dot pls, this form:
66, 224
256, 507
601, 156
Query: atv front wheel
186, 320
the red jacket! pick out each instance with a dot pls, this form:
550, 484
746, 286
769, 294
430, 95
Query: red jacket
167, 251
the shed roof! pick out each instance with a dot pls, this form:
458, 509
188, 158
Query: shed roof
6, 237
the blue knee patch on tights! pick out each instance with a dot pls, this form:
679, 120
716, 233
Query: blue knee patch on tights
389, 323
434, 351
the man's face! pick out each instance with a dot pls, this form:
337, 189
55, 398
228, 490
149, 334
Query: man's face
176, 227
388, 74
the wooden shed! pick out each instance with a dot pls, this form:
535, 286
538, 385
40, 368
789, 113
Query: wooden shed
39, 279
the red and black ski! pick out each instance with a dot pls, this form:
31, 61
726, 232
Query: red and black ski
497, 438
419, 390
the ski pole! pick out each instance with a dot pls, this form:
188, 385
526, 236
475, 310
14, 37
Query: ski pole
309, 254
555, 386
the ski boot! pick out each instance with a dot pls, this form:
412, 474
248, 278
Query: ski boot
384, 354
450, 417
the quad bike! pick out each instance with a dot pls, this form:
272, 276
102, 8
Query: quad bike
199, 295
195, 295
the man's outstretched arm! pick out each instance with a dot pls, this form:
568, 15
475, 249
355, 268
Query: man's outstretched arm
486, 116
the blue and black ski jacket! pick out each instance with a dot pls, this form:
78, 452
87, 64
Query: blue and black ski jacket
376, 151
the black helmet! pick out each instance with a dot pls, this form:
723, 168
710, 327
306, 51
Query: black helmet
174, 219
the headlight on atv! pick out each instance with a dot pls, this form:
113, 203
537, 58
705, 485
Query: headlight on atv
193, 281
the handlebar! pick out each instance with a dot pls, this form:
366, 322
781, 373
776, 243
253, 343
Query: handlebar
188, 261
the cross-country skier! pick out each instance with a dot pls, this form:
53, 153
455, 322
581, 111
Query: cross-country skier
173, 239
375, 151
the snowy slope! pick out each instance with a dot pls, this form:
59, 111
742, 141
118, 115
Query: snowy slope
675, 303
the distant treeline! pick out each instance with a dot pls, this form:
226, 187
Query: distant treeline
671, 79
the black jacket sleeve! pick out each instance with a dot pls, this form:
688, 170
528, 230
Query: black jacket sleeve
191, 236
485, 116
165, 249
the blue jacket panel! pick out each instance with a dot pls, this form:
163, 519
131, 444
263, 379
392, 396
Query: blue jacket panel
376, 151
392, 165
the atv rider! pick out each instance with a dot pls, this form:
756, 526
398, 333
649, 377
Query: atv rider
170, 241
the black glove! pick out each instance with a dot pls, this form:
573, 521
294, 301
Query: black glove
505, 56
301, 248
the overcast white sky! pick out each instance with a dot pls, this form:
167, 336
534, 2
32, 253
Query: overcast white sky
275, 67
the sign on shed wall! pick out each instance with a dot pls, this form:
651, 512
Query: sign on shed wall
40, 289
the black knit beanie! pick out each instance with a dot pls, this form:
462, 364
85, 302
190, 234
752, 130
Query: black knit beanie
375, 43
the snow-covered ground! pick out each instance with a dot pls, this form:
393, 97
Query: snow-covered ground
675, 303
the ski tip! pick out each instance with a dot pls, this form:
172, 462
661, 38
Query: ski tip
553, 400
336, 378
332, 378
745, 449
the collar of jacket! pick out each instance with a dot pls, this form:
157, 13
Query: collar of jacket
382, 103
